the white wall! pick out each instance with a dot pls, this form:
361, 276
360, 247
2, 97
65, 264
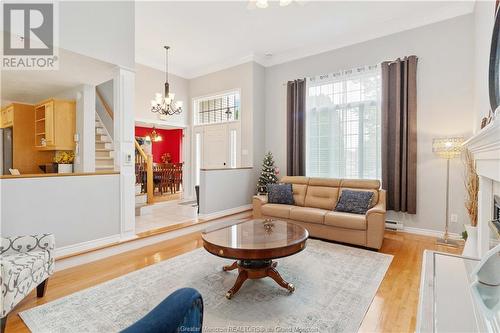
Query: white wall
484, 19
225, 189
249, 78
445, 101
148, 82
109, 35
56, 205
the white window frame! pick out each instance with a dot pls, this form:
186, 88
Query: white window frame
342, 78
196, 100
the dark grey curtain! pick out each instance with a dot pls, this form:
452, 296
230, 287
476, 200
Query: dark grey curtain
295, 108
399, 134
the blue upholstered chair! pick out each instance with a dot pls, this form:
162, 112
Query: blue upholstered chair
182, 311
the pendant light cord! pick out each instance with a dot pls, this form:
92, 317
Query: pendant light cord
166, 63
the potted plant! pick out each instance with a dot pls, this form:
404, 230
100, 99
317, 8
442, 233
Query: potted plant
64, 160
472, 187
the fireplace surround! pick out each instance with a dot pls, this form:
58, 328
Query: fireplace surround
485, 147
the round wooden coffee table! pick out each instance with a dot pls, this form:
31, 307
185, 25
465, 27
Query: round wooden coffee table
254, 244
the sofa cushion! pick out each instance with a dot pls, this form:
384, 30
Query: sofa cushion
308, 214
299, 187
374, 199
346, 220
276, 210
280, 194
357, 202
372, 185
321, 197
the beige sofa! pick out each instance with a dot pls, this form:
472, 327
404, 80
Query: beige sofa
315, 200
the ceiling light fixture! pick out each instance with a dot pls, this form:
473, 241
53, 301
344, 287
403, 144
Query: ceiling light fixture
154, 136
164, 105
284, 3
261, 3
265, 3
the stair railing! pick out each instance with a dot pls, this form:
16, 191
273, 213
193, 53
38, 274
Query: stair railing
147, 160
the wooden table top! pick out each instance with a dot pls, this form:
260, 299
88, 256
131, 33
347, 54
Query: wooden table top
256, 239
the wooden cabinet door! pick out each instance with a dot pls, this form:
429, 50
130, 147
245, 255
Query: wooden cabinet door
10, 116
7, 117
49, 123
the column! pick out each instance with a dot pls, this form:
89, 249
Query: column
123, 100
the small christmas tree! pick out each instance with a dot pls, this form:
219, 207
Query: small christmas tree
269, 174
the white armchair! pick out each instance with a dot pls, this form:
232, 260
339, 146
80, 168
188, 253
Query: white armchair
26, 262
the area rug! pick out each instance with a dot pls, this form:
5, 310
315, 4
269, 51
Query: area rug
335, 285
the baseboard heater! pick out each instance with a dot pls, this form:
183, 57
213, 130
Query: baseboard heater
393, 225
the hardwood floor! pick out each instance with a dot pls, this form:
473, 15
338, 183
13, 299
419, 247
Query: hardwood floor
393, 309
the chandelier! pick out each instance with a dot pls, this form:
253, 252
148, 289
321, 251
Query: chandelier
265, 3
165, 105
154, 136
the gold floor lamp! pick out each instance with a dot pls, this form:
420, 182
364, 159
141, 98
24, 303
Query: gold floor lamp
447, 148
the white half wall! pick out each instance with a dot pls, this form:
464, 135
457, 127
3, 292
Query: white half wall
75, 209
225, 189
445, 103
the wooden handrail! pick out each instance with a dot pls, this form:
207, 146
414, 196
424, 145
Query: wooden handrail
148, 158
103, 102
140, 150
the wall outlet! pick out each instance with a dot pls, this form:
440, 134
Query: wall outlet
453, 218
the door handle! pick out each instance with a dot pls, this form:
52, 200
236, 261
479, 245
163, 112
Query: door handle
224, 163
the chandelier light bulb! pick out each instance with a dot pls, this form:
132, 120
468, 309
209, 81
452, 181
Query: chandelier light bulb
284, 3
261, 4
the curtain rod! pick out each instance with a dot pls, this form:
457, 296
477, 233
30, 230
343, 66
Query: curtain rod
389, 62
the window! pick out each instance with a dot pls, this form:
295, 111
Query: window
217, 109
233, 148
343, 124
197, 159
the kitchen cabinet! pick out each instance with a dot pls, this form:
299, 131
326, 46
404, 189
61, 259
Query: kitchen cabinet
7, 117
55, 124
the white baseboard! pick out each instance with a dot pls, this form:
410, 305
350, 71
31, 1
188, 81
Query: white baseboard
85, 246
226, 212
429, 232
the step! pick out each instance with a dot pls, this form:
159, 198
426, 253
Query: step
143, 209
141, 198
103, 158
104, 153
104, 145
100, 130
102, 138
105, 167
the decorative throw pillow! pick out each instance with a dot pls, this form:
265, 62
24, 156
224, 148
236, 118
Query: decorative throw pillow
356, 202
280, 194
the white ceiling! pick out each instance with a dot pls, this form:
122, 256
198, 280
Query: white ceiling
206, 36
30, 87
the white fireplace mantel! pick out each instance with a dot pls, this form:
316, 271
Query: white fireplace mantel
485, 147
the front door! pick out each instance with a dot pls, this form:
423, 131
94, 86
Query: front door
215, 147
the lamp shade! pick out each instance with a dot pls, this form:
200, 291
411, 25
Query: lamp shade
447, 147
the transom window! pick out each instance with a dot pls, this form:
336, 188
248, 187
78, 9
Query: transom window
217, 109
343, 124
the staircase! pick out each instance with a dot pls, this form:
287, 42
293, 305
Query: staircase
104, 160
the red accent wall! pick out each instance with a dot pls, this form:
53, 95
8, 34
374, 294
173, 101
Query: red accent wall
171, 143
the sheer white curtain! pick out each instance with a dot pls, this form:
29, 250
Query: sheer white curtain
343, 124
